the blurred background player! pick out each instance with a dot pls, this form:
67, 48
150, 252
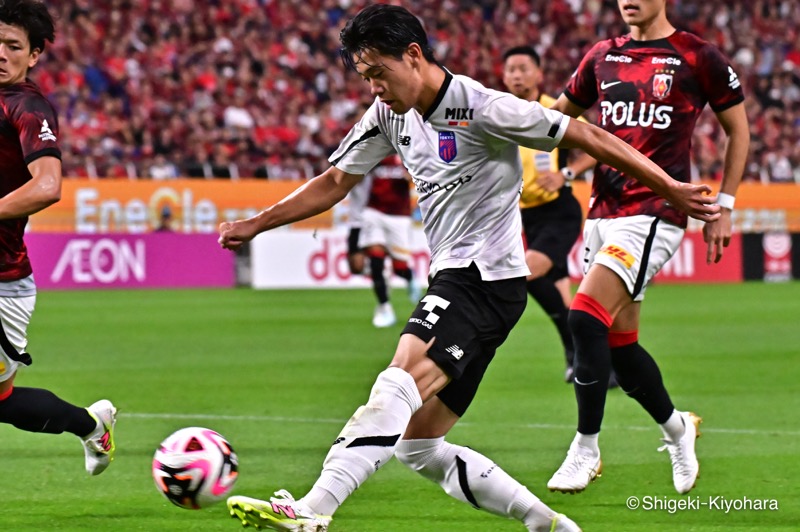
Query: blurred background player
30, 180
551, 219
652, 85
386, 232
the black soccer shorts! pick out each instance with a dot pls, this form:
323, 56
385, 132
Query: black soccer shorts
552, 229
470, 319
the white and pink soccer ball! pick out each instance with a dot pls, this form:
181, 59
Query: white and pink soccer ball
195, 467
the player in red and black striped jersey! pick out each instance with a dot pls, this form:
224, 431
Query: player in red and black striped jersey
651, 86
30, 180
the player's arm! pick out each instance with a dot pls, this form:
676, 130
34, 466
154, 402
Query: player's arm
717, 234
43, 189
555, 180
610, 150
316, 196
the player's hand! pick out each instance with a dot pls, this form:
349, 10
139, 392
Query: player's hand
695, 201
551, 181
232, 235
717, 235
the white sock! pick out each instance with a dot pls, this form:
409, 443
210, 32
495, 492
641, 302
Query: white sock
589, 441
468, 476
674, 428
367, 441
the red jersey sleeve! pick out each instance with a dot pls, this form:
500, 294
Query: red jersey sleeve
718, 80
37, 124
582, 86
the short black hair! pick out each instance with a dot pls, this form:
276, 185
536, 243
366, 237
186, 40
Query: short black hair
386, 29
523, 50
33, 17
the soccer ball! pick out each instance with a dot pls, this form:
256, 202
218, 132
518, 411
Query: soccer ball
195, 467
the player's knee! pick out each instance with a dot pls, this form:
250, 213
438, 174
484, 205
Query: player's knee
423, 456
586, 325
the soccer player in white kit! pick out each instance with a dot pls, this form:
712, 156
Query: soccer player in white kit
459, 141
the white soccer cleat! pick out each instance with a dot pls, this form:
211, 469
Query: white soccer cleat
384, 316
562, 523
282, 512
98, 446
580, 467
685, 467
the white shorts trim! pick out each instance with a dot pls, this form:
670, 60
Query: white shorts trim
15, 313
393, 232
625, 245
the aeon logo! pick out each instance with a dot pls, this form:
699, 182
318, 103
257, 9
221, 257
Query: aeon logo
104, 261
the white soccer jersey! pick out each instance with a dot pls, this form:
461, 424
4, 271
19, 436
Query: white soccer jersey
464, 160
357, 201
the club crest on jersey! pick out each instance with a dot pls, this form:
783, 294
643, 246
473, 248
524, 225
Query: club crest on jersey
662, 83
447, 146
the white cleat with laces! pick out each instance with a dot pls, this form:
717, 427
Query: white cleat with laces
98, 446
384, 316
581, 466
685, 467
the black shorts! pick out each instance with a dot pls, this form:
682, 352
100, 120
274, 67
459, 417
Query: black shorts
352, 240
553, 228
470, 319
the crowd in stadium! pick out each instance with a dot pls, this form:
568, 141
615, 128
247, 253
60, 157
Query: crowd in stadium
240, 88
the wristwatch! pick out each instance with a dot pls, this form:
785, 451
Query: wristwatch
568, 174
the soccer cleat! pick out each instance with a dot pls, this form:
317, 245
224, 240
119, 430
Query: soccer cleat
98, 446
384, 316
580, 467
562, 523
685, 468
282, 512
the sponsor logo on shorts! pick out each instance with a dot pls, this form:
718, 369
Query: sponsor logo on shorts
421, 322
456, 351
618, 253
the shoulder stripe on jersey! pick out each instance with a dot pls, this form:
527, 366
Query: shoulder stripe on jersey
555, 127
448, 77
368, 135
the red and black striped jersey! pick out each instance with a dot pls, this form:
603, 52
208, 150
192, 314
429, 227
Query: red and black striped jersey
650, 95
28, 130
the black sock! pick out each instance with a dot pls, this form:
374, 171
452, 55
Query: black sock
638, 375
544, 291
592, 368
378, 280
37, 410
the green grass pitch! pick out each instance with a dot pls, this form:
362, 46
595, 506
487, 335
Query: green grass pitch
279, 372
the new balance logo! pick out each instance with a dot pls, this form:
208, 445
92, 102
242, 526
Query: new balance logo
46, 133
456, 351
404, 140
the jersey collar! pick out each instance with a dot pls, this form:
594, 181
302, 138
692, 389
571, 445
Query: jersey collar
448, 77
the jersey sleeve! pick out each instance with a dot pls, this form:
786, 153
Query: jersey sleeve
510, 119
364, 146
718, 80
37, 125
582, 86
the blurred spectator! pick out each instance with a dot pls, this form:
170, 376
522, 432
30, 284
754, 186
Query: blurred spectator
256, 87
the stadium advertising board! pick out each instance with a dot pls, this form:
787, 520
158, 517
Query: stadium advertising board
135, 206
153, 260
198, 205
318, 259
